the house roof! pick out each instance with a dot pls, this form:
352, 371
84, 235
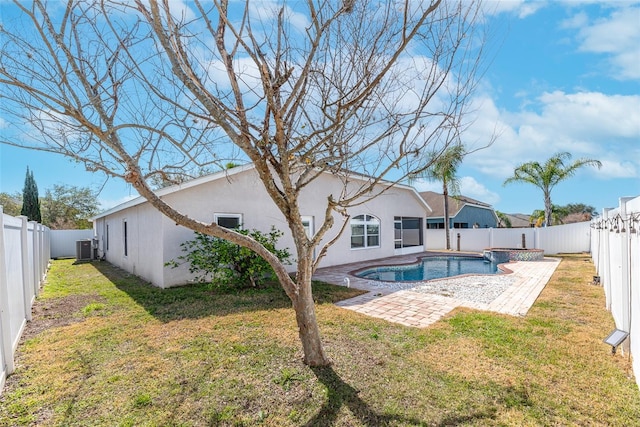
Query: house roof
519, 220
225, 174
436, 201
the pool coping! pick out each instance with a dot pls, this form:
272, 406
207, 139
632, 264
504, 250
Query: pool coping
419, 309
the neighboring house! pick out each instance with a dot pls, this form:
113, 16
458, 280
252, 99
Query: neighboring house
139, 239
464, 212
519, 221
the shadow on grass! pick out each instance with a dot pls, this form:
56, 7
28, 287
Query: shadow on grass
202, 300
194, 300
339, 394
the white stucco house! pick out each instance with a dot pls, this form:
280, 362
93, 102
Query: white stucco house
139, 239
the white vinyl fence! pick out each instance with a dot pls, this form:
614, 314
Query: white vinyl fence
63, 242
615, 242
24, 257
569, 238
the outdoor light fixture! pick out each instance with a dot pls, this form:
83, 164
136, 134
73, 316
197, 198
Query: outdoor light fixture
616, 338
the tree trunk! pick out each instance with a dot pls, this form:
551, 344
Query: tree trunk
445, 194
299, 292
304, 307
547, 210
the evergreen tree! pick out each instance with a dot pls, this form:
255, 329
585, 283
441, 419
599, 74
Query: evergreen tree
30, 199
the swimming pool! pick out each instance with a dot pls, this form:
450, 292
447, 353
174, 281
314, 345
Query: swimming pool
430, 268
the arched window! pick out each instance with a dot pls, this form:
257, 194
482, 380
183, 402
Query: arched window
365, 232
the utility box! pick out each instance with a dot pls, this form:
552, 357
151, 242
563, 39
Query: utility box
84, 250
95, 246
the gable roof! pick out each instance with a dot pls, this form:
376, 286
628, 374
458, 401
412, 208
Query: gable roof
225, 174
436, 201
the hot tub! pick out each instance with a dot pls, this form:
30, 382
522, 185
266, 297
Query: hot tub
501, 255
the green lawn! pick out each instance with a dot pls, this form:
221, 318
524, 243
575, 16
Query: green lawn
107, 349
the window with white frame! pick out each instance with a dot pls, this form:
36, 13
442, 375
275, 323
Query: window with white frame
228, 220
365, 232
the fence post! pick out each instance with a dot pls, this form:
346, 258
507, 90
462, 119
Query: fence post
38, 260
605, 277
43, 252
626, 298
47, 248
24, 249
5, 318
41, 259
35, 256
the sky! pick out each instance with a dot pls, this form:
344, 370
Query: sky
560, 76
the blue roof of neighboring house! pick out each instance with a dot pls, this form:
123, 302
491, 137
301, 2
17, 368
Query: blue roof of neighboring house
456, 203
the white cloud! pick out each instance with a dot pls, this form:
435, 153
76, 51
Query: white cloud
268, 10
586, 124
619, 36
590, 115
578, 20
179, 9
245, 69
468, 187
521, 8
616, 35
620, 168
422, 184
472, 188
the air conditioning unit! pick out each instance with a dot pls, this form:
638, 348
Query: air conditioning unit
83, 250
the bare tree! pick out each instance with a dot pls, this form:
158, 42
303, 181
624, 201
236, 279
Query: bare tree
142, 89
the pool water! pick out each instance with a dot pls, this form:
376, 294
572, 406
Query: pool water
430, 268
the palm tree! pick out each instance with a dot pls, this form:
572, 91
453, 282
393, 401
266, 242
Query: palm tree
504, 220
445, 169
546, 176
558, 213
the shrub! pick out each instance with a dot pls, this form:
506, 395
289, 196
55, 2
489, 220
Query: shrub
219, 261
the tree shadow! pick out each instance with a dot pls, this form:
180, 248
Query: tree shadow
339, 394
199, 300
195, 300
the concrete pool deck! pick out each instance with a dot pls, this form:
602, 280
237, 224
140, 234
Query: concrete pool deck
419, 309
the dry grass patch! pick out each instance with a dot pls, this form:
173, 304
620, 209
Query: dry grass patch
192, 356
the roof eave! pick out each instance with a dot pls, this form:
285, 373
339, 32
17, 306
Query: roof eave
174, 188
